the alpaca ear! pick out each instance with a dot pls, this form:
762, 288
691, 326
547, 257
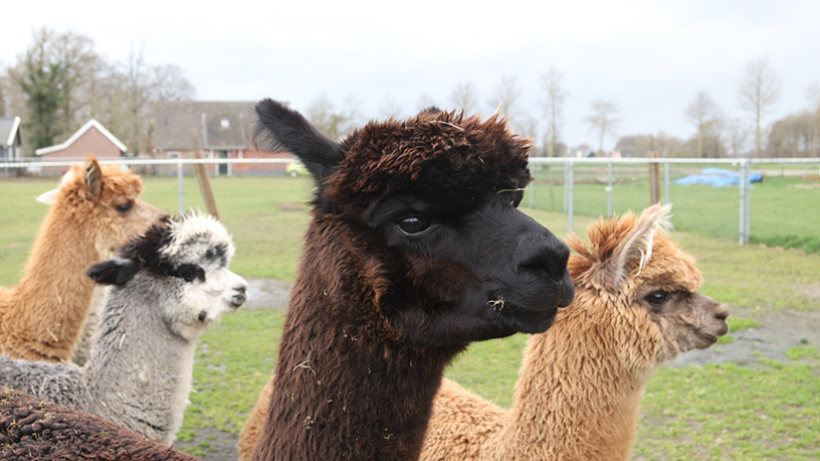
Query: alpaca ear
93, 177
635, 251
117, 271
280, 128
49, 198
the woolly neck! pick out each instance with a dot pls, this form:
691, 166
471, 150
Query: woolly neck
574, 396
53, 286
139, 370
343, 390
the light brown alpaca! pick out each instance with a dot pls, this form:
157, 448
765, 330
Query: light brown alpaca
580, 387
95, 210
581, 383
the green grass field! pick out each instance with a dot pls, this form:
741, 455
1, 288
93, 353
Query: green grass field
717, 412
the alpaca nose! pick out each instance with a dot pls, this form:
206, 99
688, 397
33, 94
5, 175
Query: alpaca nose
240, 296
722, 313
550, 258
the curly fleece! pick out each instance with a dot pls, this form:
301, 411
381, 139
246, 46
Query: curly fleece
435, 154
32, 428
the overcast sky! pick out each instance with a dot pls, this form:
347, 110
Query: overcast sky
650, 58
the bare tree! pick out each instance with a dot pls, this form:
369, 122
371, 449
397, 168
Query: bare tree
554, 98
737, 132
137, 91
82, 65
334, 124
604, 120
813, 94
465, 96
759, 89
792, 136
506, 97
703, 112
53, 74
60, 82
528, 127
14, 96
322, 114
138, 85
168, 83
122, 99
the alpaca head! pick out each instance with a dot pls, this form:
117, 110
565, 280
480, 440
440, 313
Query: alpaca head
102, 202
189, 257
632, 276
428, 208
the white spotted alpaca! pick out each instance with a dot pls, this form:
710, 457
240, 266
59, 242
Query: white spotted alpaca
167, 286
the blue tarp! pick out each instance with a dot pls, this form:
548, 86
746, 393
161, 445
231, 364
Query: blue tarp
717, 177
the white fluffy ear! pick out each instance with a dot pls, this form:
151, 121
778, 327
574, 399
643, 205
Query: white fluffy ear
48, 197
635, 250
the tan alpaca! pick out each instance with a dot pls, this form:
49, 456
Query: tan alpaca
580, 386
94, 211
581, 383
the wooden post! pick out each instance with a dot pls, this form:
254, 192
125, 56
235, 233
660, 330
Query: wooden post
654, 180
205, 186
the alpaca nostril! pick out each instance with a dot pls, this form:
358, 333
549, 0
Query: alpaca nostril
550, 260
241, 289
722, 315
239, 298
567, 291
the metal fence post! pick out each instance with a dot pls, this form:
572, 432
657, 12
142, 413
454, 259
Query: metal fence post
742, 229
566, 185
571, 192
666, 183
748, 233
609, 191
181, 189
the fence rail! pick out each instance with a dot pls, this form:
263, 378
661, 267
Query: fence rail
575, 171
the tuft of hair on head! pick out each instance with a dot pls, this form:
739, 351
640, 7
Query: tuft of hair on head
619, 248
190, 226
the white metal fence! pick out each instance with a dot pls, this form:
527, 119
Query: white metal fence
568, 173
568, 167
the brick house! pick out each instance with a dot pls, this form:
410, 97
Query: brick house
91, 138
217, 129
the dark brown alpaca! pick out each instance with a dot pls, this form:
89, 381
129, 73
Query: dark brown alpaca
31, 428
415, 249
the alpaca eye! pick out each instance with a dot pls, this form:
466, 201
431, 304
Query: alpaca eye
413, 224
657, 298
124, 207
191, 272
